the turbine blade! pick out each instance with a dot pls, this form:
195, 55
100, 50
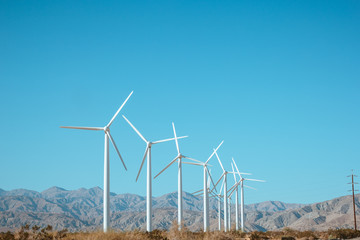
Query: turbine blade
168, 139
84, 128
212, 194
256, 180
176, 141
214, 151
117, 150
207, 170
222, 185
193, 160
231, 192
212, 190
197, 164
167, 166
236, 167
219, 145
113, 118
233, 186
250, 187
218, 181
133, 127
197, 191
233, 172
217, 156
142, 163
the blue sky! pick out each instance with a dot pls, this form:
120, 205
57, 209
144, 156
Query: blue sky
278, 81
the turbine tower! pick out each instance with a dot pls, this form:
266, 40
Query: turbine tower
148, 177
241, 183
179, 157
219, 196
106, 129
229, 197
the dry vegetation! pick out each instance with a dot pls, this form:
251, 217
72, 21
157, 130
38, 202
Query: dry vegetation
35, 232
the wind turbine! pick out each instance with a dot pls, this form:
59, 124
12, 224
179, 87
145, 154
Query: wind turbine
235, 188
148, 178
106, 129
179, 157
241, 183
224, 175
232, 190
206, 188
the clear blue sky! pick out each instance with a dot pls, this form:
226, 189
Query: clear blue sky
277, 80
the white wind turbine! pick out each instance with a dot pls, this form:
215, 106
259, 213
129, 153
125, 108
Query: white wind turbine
206, 188
224, 175
106, 129
225, 196
233, 189
179, 157
217, 196
148, 177
241, 183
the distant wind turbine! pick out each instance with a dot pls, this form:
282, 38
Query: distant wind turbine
231, 190
241, 183
106, 129
225, 196
179, 157
148, 179
224, 175
206, 188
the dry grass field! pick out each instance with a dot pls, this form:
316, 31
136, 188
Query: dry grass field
46, 233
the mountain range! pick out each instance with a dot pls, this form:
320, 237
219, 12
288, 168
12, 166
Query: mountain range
81, 209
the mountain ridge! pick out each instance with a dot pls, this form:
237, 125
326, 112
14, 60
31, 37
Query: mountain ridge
81, 209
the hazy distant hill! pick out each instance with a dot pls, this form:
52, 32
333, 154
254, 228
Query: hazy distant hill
272, 206
82, 210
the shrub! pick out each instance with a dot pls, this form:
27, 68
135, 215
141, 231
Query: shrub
343, 233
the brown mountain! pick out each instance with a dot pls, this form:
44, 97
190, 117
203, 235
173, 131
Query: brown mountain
82, 210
